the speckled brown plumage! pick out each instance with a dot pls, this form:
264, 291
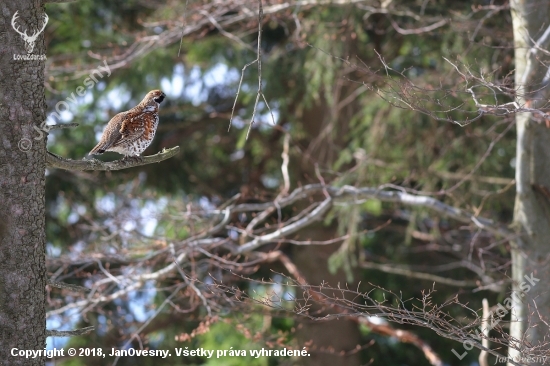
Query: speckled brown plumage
130, 133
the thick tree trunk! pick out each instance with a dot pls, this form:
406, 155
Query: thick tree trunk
22, 186
531, 253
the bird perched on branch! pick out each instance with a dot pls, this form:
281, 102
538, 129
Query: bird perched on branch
131, 132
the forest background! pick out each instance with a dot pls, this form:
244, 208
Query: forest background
364, 179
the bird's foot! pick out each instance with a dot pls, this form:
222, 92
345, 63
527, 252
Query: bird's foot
134, 158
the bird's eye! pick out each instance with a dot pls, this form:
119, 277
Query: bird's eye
159, 99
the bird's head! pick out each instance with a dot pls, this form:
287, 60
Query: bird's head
156, 96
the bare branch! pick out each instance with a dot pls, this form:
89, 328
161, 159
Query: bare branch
425, 29
56, 161
292, 228
347, 192
68, 286
189, 282
224, 32
68, 333
258, 60
136, 281
384, 329
60, 125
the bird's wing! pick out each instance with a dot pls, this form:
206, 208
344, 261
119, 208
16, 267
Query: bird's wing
111, 134
132, 128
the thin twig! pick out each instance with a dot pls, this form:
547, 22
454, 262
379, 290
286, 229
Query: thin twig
189, 282
260, 90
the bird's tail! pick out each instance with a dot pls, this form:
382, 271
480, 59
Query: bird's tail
98, 149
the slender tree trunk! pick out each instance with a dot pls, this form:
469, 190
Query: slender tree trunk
530, 316
22, 186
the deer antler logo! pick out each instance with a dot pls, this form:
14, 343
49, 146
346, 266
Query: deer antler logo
29, 40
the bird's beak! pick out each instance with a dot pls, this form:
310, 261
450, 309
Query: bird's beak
160, 98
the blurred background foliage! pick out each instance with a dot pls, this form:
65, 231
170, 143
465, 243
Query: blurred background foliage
323, 81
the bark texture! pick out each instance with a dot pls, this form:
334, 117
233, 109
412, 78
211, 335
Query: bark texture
531, 253
22, 186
